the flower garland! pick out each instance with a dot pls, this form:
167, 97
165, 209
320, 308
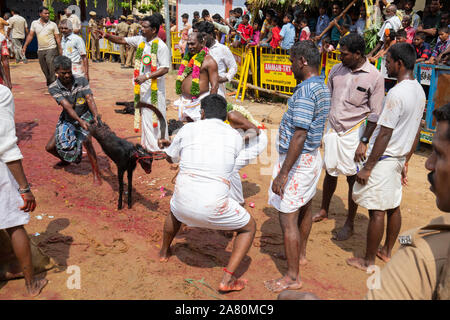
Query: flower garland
245, 113
191, 64
140, 63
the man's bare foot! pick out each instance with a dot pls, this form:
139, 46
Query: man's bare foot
358, 263
35, 288
343, 233
164, 255
278, 285
322, 215
382, 254
303, 261
233, 285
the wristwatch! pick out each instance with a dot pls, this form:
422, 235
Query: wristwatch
364, 140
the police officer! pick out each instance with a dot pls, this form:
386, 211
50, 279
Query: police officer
122, 31
132, 31
95, 45
421, 267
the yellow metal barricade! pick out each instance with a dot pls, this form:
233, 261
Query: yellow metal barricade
176, 53
239, 55
275, 71
333, 58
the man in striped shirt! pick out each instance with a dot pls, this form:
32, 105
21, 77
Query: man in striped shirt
297, 172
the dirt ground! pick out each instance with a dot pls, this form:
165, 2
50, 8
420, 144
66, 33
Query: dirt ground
117, 251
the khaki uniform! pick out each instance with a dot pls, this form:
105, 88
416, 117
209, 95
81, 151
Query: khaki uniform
95, 45
420, 269
122, 31
133, 31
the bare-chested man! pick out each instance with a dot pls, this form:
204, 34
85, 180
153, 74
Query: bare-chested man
189, 103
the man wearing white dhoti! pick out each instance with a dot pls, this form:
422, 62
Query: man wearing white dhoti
379, 181
357, 90
150, 125
295, 176
207, 151
16, 198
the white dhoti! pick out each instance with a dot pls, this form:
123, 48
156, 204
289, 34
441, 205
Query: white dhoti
10, 201
77, 70
151, 134
251, 151
189, 108
301, 185
204, 202
383, 190
340, 150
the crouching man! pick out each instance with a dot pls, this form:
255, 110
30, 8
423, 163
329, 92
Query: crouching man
75, 96
207, 152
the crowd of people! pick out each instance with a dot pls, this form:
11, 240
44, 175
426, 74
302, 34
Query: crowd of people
366, 136
427, 30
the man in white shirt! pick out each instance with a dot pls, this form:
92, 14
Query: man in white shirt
49, 43
150, 27
392, 21
74, 48
207, 151
76, 23
379, 180
18, 28
226, 63
16, 198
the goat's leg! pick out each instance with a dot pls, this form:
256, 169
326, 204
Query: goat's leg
120, 173
130, 186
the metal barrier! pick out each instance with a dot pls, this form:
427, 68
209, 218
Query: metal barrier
176, 53
275, 71
432, 76
239, 55
332, 58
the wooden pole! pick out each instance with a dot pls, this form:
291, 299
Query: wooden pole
335, 19
275, 93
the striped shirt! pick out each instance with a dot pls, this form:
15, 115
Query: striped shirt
76, 96
307, 109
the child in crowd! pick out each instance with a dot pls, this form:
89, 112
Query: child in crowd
400, 36
326, 45
410, 31
276, 29
389, 40
245, 30
442, 44
305, 33
256, 34
287, 33
423, 49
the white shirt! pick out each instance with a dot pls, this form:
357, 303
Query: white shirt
403, 112
226, 63
163, 61
207, 147
391, 23
8, 147
10, 200
73, 47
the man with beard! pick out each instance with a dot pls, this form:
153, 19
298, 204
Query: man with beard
77, 100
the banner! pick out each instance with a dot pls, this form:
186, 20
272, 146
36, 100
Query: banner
275, 70
176, 54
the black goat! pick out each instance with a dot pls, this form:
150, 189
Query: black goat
124, 154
